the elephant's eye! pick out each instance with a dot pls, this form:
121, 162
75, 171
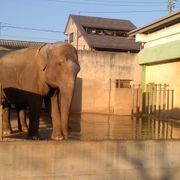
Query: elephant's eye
59, 63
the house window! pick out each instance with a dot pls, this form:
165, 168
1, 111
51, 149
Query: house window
107, 32
123, 83
71, 37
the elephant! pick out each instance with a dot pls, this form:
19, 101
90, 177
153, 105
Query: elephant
29, 74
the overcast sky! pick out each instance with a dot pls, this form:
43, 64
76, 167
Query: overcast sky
17, 17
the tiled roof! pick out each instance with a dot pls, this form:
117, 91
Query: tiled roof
112, 42
105, 41
19, 44
104, 23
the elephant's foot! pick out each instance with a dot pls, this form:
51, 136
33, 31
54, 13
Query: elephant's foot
7, 132
24, 129
57, 137
34, 137
66, 135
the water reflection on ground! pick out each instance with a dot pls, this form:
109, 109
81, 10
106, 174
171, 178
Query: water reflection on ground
98, 127
88, 126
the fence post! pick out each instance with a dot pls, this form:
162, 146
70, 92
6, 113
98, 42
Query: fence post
159, 106
137, 100
132, 111
172, 105
164, 97
147, 99
140, 98
155, 99
168, 99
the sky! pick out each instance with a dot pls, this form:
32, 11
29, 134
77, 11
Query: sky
30, 20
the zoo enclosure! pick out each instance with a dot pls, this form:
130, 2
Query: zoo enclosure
153, 99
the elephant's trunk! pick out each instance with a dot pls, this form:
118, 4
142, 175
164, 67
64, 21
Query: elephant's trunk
65, 101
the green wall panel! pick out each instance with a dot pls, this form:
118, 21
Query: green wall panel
160, 54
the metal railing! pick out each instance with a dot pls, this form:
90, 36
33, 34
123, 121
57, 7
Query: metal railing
153, 99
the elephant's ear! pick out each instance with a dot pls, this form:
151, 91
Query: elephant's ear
42, 55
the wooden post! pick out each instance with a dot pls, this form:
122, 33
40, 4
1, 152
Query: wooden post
140, 98
168, 99
151, 98
159, 108
172, 105
147, 99
155, 99
132, 110
164, 97
137, 101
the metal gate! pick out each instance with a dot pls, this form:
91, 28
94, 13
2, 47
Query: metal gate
152, 100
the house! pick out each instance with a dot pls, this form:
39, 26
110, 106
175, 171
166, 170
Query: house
100, 34
160, 56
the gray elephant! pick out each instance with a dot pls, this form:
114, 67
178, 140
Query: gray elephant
29, 74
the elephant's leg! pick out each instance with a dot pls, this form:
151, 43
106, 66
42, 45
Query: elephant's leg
22, 124
7, 130
47, 102
66, 98
34, 113
65, 127
56, 119
6, 125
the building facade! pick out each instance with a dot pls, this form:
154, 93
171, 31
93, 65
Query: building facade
160, 56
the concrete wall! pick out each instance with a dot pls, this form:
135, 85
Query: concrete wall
96, 84
90, 160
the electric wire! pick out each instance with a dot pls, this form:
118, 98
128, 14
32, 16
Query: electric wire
134, 4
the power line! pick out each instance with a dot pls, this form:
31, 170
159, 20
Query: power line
29, 37
105, 3
31, 29
129, 2
118, 12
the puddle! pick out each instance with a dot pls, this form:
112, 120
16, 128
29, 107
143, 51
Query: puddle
88, 126
104, 127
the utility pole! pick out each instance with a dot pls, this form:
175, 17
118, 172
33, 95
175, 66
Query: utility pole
171, 5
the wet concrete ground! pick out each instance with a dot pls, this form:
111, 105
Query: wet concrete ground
88, 126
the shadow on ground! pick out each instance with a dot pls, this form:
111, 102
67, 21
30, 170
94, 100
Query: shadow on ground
45, 128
